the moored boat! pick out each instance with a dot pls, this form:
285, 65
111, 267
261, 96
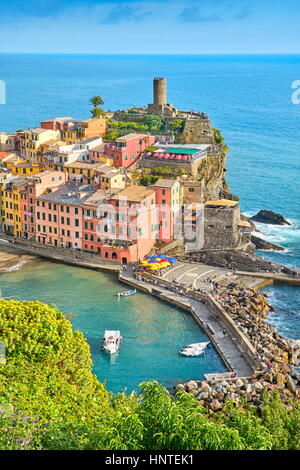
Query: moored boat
194, 350
126, 293
112, 341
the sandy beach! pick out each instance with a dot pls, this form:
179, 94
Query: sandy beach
12, 261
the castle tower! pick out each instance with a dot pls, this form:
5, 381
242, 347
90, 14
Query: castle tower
160, 91
159, 105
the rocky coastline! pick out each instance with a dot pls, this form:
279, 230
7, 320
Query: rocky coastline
279, 357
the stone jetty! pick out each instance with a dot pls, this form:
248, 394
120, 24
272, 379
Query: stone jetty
279, 357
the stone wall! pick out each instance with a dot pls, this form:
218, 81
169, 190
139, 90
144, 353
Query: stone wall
197, 131
221, 227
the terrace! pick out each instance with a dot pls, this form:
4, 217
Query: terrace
175, 154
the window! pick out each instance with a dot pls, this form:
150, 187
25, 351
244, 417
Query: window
62, 220
76, 222
68, 209
68, 221
76, 211
76, 234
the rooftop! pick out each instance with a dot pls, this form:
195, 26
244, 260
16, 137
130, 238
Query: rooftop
70, 193
124, 138
164, 183
134, 193
63, 119
221, 203
85, 165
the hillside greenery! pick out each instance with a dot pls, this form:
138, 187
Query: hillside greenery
50, 399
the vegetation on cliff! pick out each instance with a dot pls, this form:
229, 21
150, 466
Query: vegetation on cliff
50, 399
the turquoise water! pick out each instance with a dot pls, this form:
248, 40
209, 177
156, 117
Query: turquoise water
152, 331
247, 97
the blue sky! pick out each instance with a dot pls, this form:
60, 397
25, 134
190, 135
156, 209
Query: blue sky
153, 26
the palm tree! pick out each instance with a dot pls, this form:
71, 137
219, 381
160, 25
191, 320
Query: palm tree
96, 101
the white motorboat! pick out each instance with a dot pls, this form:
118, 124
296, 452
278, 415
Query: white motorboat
112, 341
126, 293
194, 350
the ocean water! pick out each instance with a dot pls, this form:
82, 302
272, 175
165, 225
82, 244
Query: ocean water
153, 331
248, 97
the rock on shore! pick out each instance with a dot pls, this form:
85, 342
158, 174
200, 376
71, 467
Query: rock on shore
261, 244
269, 217
277, 356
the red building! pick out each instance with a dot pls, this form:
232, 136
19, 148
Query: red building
126, 150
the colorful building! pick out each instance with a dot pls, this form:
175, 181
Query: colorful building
59, 123
67, 154
126, 150
59, 215
26, 168
168, 197
34, 187
33, 139
82, 172
93, 127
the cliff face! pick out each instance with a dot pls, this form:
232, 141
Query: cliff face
212, 172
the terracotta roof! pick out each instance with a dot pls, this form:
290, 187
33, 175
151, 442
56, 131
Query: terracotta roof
134, 193
129, 137
221, 202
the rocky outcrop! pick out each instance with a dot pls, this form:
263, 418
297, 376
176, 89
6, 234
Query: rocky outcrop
270, 217
230, 259
261, 244
277, 356
246, 219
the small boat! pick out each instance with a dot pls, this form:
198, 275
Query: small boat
126, 293
111, 341
193, 350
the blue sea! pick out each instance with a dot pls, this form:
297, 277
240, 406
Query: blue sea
248, 97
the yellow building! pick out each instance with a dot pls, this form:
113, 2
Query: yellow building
34, 138
26, 168
82, 172
93, 127
10, 202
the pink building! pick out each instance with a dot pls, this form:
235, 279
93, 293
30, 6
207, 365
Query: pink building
32, 188
126, 150
168, 199
59, 215
121, 228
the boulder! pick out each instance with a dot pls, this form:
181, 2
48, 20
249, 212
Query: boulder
180, 387
280, 379
215, 405
261, 244
291, 384
269, 217
191, 385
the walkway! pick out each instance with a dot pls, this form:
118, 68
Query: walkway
62, 255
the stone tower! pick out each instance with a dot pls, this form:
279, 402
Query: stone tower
160, 91
160, 105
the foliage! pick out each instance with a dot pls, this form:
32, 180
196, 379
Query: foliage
147, 180
218, 138
154, 123
177, 126
96, 101
49, 399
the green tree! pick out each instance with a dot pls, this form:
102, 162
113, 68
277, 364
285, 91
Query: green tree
96, 101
